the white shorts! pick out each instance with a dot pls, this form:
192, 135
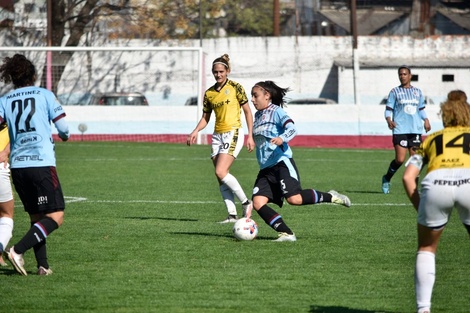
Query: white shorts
441, 191
6, 193
230, 143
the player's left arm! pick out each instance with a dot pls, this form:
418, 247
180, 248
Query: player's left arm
289, 129
422, 113
57, 115
62, 127
424, 117
250, 143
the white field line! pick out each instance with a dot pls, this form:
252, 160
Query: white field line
81, 199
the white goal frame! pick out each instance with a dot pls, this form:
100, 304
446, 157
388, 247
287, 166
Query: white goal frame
48, 64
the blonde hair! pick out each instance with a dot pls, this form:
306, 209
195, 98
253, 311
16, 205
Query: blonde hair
455, 111
224, 60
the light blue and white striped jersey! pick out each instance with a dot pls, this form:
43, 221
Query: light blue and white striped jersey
406, 104
270, 123
29, 112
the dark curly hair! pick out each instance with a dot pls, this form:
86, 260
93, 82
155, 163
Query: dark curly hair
17, 70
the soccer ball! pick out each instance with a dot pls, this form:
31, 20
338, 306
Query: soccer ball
245, 229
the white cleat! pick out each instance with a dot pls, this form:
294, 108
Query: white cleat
16, 260
229, 219
338, 198
286, 237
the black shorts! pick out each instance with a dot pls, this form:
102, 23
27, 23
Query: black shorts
39, 189
278, 182
407, 140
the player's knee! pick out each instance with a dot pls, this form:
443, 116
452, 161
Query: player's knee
294, 200
220, 174
399, 162
259, 202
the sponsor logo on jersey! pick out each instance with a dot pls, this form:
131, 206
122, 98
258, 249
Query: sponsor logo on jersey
29, 140
42, 200
23, 158
442, 182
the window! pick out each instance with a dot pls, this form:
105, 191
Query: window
447, 78
414, 78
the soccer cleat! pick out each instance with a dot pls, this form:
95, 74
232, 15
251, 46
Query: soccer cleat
247, 209
385, 185
338, 198
229, 219
44, 271
286, 237
17, 261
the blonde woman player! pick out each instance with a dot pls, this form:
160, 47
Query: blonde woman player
226, 98
6, 193
445, 186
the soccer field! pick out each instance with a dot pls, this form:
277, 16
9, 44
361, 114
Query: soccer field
141, 235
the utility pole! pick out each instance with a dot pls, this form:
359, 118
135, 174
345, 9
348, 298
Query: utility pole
277, 18
49, 44
355, 53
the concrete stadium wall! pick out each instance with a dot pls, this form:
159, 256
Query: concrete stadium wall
345, 126
308, 65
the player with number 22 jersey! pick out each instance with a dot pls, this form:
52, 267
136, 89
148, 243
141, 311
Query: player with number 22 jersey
28, 112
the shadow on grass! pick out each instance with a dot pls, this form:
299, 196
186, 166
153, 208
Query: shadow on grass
363, 192
162, 218
8, 271
216, 235
340, 309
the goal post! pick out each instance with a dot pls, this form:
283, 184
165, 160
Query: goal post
166, 76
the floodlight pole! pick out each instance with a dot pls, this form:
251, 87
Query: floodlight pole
354, 52
49, 44
277, 18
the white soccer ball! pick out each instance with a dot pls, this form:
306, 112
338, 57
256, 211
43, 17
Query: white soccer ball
245, 229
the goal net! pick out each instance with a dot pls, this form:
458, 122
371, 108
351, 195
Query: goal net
122, 93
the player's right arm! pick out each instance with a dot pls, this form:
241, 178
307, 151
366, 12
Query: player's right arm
200, 126
412, 170
389, 110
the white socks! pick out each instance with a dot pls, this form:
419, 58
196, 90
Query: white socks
229, 200
425, 275
234, 185
6, 231
230, 187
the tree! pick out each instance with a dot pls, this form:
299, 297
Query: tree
245, 19
75, 16
152, 19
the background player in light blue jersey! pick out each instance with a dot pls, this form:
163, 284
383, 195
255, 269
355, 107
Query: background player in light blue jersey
278, 177
29, 111
404, 114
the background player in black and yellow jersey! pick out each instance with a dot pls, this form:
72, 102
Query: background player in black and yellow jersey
445, 186
226, 99
6, 193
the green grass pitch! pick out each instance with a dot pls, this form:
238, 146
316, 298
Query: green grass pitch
140, 235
